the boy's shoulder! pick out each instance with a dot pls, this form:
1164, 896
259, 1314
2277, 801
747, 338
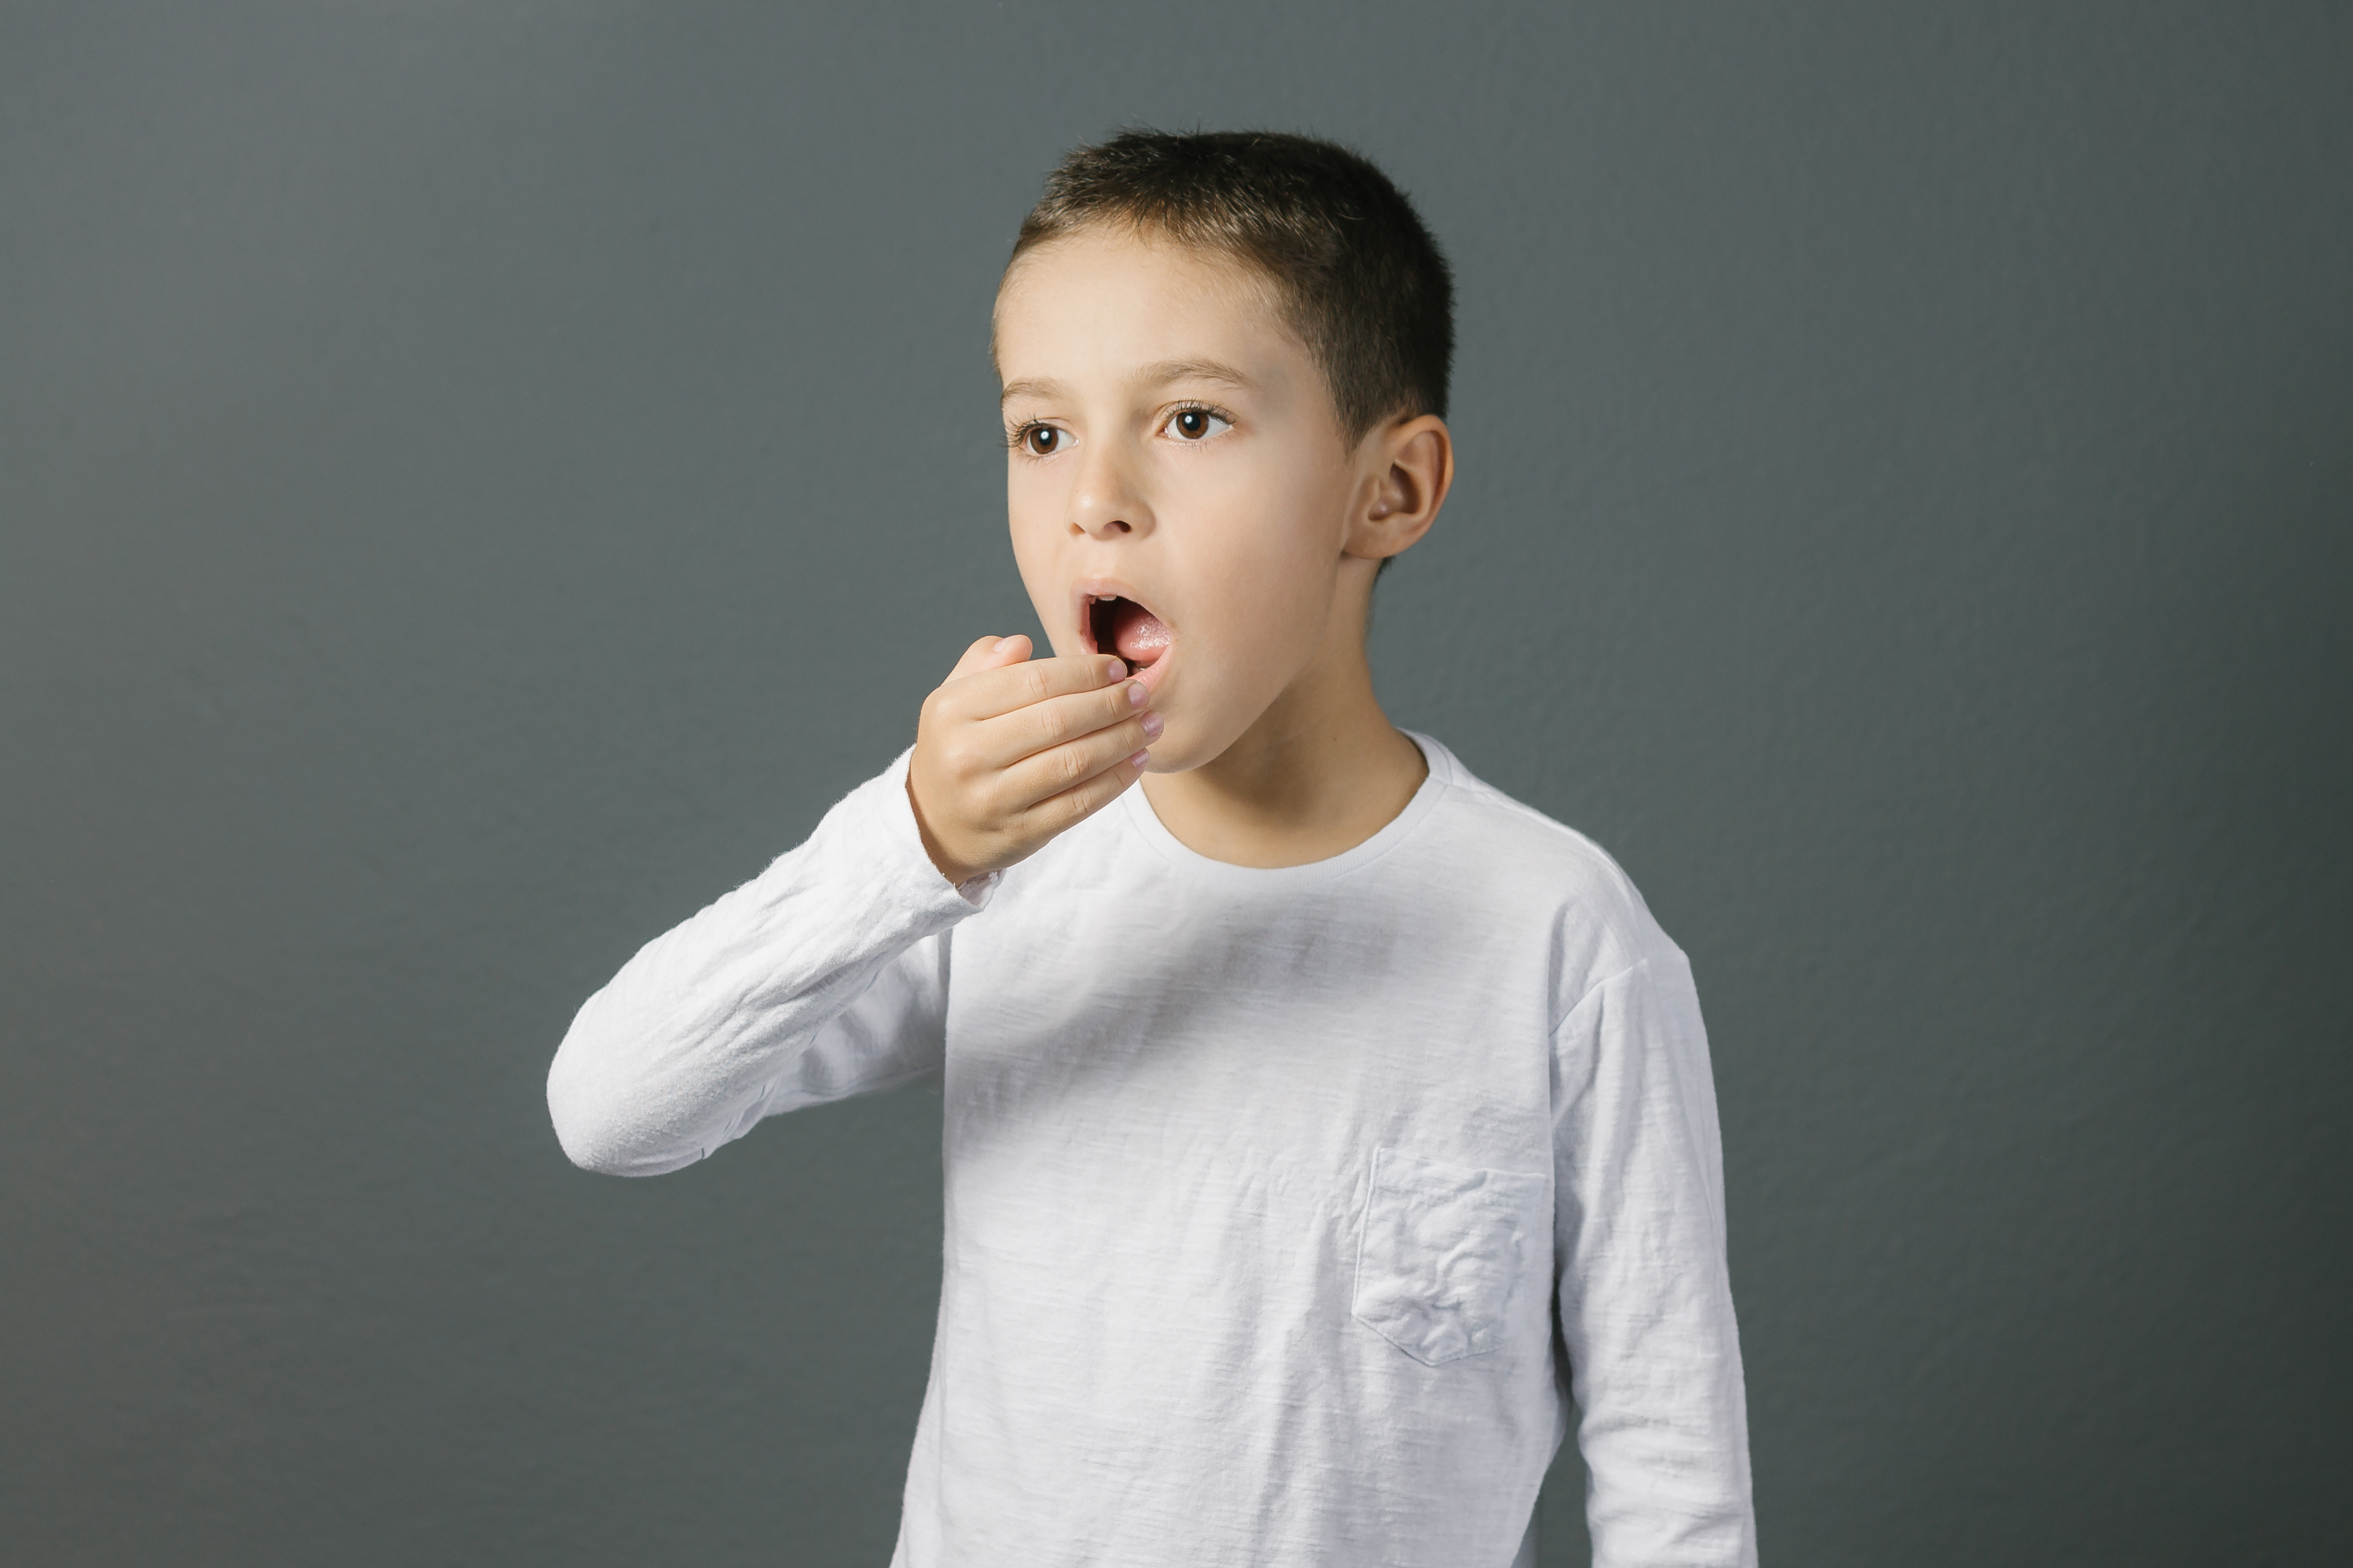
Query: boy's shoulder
1527, 866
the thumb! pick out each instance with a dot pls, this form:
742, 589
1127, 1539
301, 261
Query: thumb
990, 653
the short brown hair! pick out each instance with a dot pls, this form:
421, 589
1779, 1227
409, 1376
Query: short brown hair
1360, 278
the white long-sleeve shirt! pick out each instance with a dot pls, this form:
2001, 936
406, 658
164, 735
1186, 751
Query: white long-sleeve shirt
1273, 1197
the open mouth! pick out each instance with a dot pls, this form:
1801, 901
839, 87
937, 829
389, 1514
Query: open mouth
1122, 626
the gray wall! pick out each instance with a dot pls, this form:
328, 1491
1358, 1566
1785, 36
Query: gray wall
476, 481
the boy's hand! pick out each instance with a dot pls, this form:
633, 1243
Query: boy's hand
1010, 750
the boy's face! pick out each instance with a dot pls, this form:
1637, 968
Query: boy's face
1179, 487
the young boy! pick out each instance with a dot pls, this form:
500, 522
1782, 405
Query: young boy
1317, 1119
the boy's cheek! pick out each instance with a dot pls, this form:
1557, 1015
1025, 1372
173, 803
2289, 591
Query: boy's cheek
1046, 589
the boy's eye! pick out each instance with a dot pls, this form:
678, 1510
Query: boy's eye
1195, 424
1043, 441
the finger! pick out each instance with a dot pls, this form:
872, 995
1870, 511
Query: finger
1073, 805
990, 653
1025, 731
987, 693
1053, 771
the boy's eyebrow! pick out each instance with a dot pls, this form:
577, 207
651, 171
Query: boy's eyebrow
1034, 387
1170, 370
1159, 374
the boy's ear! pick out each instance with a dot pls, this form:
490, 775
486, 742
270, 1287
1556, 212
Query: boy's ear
1409, 465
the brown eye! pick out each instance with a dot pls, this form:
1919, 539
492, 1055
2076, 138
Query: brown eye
1042, 441
1194, 424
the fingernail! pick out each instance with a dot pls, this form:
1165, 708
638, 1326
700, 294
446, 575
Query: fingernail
1138, 760
1153, 724
1138, 694
1116, 671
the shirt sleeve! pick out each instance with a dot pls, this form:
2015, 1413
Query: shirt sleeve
1644, 1293
825, 976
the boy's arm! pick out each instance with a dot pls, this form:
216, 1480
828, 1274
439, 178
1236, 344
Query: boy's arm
1644, 1293
825, 976
814, 981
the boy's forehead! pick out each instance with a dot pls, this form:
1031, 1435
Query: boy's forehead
1101, 299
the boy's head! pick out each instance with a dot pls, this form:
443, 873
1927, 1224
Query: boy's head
1225, 359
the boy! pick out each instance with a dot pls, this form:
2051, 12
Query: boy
1316, 1118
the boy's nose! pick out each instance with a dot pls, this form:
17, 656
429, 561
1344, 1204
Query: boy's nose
1106, 517
1102, 506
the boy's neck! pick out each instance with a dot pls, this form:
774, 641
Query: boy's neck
1321, 771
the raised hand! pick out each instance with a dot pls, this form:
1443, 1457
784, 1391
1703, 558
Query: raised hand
1011, 751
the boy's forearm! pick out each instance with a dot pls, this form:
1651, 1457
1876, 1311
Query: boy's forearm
1645, 1296
685, 1048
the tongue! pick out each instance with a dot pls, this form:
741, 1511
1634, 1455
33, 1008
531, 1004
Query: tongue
1138, 633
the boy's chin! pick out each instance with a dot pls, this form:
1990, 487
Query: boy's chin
1190, 743
1179, 750
1163, 758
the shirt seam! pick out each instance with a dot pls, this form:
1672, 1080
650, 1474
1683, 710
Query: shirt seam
1205, 867
1592, 991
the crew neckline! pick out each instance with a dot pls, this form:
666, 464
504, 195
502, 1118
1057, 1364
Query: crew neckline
1192, 862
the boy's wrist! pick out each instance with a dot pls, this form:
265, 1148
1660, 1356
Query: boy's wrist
956, 872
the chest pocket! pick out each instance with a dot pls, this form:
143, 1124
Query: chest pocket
1445, 1251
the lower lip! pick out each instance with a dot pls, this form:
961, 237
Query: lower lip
1150, 674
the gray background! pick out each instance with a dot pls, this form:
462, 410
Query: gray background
476, 481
